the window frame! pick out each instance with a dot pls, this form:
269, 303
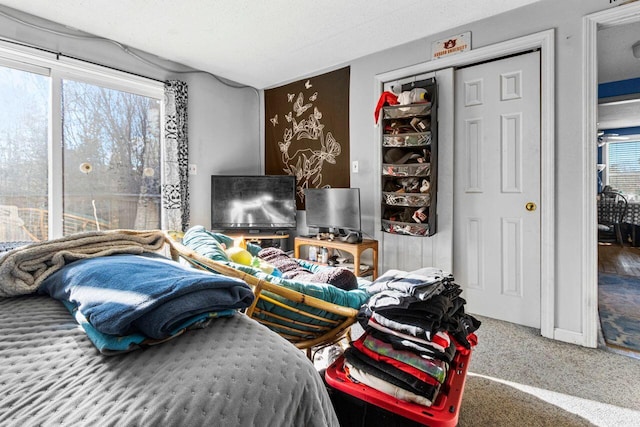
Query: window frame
606, 153
59, 68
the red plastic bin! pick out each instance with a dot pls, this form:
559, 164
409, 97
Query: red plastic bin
443, 413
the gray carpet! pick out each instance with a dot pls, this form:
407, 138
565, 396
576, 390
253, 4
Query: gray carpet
518, 378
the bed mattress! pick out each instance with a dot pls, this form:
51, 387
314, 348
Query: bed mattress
235, 372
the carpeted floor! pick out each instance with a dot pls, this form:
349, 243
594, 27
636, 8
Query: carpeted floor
518, 378
618, 302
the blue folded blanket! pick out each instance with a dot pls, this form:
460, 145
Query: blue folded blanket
116, 344
148, 294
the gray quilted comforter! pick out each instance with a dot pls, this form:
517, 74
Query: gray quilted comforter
236, 372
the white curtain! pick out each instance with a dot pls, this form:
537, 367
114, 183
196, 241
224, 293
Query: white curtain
175, 189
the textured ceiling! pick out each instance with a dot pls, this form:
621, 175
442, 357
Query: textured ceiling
615, 53
263, 43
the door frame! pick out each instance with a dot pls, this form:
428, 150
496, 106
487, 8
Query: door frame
497, 241
591, 23
544, 41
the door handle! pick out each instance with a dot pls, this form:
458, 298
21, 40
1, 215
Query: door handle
530, 206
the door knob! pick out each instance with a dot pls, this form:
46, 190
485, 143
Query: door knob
530, 206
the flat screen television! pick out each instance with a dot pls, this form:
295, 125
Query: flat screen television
333, 210
260, 204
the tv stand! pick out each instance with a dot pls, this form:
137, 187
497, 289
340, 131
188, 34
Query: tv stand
264, 240
354, 249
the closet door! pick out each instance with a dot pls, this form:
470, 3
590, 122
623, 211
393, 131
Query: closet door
497, 188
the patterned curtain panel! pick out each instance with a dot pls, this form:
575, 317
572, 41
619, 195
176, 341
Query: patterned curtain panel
175, 190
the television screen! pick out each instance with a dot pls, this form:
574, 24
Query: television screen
336, 210
253, 203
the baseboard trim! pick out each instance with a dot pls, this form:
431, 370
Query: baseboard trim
571, 337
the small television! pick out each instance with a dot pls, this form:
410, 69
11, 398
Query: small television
253, 203
334, 210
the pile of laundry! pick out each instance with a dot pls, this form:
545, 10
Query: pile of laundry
415, 326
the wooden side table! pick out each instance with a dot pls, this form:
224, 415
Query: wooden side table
354, 249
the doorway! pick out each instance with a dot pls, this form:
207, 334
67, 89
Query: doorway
619, 179
614, 279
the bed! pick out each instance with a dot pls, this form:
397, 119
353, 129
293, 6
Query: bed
234, 372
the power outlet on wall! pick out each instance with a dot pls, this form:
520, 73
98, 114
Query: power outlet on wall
354, 166
193, 169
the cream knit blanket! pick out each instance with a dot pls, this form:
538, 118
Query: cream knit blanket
22, 270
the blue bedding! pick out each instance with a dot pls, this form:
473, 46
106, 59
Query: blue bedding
146, 294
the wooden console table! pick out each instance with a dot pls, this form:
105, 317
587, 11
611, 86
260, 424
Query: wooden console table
354, 249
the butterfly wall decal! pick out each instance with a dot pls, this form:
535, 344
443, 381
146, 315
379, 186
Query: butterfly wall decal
274, 120
308, 84
313, 97
299, 107
290, 96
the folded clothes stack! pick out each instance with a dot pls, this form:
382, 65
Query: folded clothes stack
414, 325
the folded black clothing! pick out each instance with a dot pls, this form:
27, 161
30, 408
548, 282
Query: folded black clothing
461, 325
400, 343
456, 305
290, 269
452, 291
428, 322
409, 318
434, 308
363, 316
390, 374
400, 313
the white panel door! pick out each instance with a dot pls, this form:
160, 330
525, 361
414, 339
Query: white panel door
497, 188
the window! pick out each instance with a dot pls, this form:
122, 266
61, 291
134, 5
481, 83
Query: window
111, 143
623, 168
80, 149
24, 108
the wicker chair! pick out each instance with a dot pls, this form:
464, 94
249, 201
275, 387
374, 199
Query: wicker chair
302, 319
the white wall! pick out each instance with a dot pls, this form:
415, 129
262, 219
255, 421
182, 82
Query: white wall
223, 137
566, 18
